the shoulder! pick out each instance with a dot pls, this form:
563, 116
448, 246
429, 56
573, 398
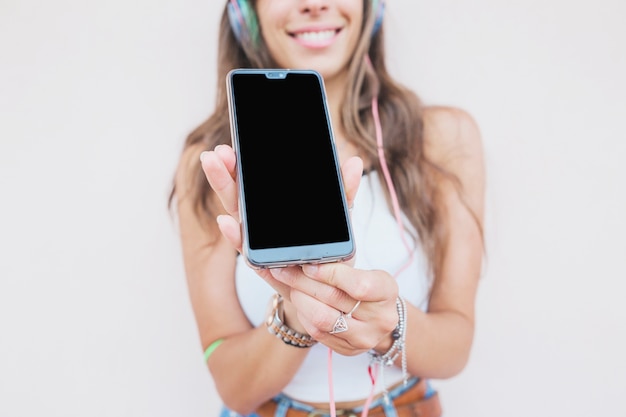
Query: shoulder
450, 131
453, 142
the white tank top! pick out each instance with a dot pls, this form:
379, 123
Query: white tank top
378, 246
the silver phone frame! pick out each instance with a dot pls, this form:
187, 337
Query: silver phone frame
290, 255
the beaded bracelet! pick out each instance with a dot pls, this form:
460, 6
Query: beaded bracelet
288, 335
398, 346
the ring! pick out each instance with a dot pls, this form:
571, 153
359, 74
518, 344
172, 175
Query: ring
341, 325
349, 315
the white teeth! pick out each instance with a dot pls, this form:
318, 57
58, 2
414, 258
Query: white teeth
316, 36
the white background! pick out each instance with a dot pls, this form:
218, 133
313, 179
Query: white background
97, 97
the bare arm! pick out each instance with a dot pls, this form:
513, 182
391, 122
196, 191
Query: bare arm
443, 336
251, 365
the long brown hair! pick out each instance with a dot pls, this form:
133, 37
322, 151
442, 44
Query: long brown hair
414, 175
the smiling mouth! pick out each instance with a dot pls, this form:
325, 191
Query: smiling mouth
316, 36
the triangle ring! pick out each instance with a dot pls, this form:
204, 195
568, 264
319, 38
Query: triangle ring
341, 325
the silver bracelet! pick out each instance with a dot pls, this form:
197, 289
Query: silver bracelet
276, 326
397, 348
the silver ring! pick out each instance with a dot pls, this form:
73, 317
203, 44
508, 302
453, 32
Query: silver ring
349, 315
341, 325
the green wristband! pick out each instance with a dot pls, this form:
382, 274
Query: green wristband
212, 348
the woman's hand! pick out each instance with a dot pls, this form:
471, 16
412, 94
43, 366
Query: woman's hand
320, 294
219, 167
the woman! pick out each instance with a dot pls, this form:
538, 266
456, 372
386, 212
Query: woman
406, 300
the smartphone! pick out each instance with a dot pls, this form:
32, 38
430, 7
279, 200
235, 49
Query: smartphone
291, 197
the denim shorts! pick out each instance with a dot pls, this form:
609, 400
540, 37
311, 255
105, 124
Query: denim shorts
284, 402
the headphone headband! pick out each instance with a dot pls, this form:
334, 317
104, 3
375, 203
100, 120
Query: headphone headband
245, 26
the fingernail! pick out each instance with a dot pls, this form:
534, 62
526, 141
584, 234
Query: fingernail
310, 270
203, 155
220, 219
277, 273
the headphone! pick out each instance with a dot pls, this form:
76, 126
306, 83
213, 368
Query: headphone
245, 25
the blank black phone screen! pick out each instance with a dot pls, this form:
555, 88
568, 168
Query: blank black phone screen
291, 185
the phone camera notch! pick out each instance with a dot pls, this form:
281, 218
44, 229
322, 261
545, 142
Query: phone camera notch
276, 74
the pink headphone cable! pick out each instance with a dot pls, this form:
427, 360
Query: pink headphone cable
392, 191
373, 370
